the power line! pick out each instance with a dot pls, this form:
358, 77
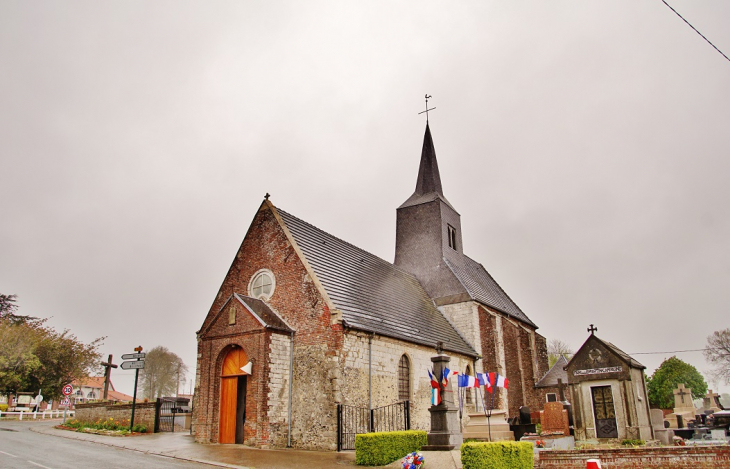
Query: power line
703, 37
675, 351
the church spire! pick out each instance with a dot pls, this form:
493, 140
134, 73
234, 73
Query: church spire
428, 184
429, 179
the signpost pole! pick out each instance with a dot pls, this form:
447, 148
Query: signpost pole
134, 397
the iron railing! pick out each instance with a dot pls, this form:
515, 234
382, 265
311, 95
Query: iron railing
352, 420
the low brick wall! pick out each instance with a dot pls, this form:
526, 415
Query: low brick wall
667, 457
144, 412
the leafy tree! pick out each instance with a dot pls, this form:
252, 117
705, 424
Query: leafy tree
35, 356
162, 373
557, 347
665, 379
717, 352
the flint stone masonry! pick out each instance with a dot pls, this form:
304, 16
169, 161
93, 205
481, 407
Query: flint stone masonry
144, 413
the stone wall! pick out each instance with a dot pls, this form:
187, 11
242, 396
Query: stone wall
386, 355
675, 457
144, 413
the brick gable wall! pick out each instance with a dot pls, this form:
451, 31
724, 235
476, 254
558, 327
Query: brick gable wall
316, 346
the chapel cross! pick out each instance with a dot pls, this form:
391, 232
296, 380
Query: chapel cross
107, 374
427, 109
592, 329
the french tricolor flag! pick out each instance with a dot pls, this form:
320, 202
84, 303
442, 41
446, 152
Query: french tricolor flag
435, 396
503, 382
447, 373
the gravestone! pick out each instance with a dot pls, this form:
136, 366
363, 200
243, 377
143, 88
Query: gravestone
445, 433
664, 435
554, 419
684, 410
525, 415
711, 401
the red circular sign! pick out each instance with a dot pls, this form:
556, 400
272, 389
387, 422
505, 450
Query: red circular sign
67, 390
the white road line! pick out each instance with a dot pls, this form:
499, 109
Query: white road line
8, 454
39, 465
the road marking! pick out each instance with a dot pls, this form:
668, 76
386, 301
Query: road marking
8, 454
39, 465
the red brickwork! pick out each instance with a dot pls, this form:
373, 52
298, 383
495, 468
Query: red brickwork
524, 364
676, 457
298, 301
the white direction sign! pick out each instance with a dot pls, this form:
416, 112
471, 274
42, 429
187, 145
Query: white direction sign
133, 365
132, 356
68, 390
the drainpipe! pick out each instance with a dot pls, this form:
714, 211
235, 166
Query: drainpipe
291, 378
370, 373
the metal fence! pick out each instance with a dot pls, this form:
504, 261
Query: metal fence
352, 420
167, 409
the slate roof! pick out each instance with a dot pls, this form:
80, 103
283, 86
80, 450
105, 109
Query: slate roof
261, 311
484, 289
556, 372
373, 294
622, 354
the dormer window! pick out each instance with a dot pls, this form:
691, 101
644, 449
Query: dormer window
452, 237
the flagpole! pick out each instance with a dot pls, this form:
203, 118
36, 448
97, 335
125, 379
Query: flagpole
489, 424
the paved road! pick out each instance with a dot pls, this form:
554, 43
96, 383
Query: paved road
21, 448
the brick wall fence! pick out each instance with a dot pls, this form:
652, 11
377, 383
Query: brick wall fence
675, 457
144, 413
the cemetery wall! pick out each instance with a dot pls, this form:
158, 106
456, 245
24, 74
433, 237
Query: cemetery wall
674, 457
144, 413
386, 355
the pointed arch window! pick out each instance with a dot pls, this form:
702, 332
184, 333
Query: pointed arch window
404, 379
468, 391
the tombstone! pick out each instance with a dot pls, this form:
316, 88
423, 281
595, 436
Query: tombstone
445, 433
525, 415
664, 435
711, 402
554, 419
684, 410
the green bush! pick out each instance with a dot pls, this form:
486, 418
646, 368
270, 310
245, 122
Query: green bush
379, 449
139, 428
633, 442
497, 455
3, 407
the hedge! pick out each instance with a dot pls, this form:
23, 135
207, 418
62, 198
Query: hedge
379, 449
497, 455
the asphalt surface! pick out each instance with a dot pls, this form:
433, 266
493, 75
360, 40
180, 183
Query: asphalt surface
33, 444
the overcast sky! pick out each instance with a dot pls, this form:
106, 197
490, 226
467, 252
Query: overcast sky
585, 145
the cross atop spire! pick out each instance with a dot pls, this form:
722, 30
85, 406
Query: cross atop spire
427, 109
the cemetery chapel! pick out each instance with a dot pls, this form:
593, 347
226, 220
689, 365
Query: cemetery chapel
304, 321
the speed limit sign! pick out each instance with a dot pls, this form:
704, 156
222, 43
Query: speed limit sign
67, 390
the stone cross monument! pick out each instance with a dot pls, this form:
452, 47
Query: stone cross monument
445, 433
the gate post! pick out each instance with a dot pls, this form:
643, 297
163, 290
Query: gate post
158, 405
339, 427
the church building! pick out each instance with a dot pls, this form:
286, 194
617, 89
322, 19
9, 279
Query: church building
305, 321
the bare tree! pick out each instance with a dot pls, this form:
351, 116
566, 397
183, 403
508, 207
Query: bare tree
162, 374
556, 348
717, 352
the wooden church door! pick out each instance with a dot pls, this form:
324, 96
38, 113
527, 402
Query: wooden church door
604, 412
233, 397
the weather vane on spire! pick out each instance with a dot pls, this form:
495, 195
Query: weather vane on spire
427, 109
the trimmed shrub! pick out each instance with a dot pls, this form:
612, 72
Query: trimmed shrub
497, 455
3, 407
379, 449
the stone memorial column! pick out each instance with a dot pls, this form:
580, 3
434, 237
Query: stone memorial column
445, 433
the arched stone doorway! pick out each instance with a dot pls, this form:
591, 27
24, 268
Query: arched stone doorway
233, 397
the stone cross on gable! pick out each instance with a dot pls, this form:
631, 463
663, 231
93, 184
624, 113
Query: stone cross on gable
679, 394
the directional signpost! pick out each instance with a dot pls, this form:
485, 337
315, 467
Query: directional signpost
136, 366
